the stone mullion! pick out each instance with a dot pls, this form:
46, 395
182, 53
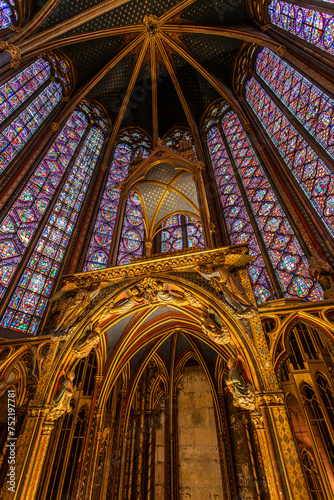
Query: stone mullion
116, 237
18, 172
296, 45
301, 223
213, 194
184, 232
306, 135
225, 452
264, 252
23, 105
40, 229
87, 228
203, 203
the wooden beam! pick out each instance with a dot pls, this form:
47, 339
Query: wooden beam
154, 93
70, 24
137, 67
191, 121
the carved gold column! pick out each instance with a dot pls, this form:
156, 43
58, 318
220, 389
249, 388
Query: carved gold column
10, 56
280, 447
31, 448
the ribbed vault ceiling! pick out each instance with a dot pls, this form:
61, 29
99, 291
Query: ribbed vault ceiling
178, 64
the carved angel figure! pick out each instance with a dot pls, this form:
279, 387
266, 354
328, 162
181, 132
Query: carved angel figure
225, 282
218, 333
73, 300
242, 390
61, 401
89, 341
322, 272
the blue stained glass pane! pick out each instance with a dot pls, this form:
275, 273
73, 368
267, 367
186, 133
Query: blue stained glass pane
8, 14
20, 87
310, 171
236, 216
133, 231
312, 108
99, 247
20, 223
285, 252
310, 25
37, 280
16, 135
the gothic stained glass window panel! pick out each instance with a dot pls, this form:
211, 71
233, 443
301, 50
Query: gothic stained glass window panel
16, 135
97, 256
236, 216
31, 295
172, 234
312, 108
132, 239
8, 14
22, 220
310, 25
20, 87
310, 171
126, 150
175, 139
194, 232
286, 254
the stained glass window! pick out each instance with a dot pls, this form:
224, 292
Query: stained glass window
285, 252
22, 220
16, 135
180, 232
175, 139
236, 216
20, 87
133, 231
8, 14
313, 108
310, 25
30, 297
126, 150
310, 171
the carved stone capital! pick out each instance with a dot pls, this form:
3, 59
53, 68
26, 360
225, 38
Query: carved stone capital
47, 428
38, 411
280, 50
54, 126
270, 399
257, 420
14, 51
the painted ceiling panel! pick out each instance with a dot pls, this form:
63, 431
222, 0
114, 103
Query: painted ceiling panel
187, 186
91, 56
151, 194
173, 202
115, 332
163, 172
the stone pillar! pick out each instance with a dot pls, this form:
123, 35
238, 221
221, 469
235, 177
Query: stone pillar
279, 445
10, 56
31, 448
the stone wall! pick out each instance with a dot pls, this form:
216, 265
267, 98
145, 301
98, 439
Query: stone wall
159, 459
199, 468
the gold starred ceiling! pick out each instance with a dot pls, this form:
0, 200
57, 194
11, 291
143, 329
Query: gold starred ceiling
154, 63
